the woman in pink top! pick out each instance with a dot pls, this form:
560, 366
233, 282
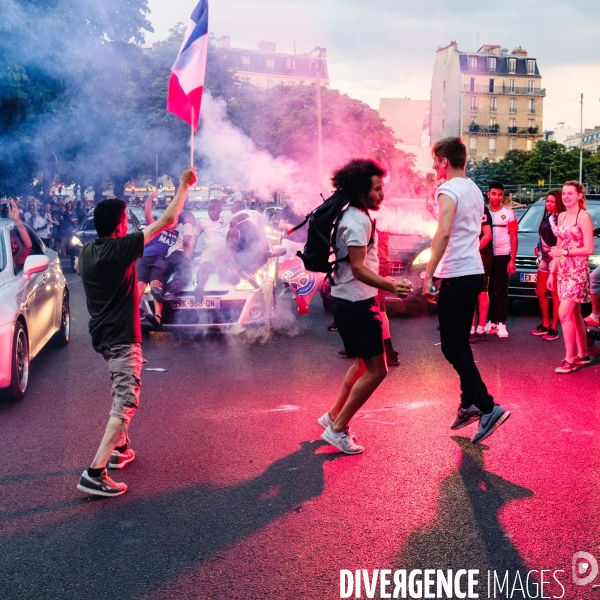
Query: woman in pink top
569, 273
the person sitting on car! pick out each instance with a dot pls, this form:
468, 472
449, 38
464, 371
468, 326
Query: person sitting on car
180, 254
153, 266
20, 242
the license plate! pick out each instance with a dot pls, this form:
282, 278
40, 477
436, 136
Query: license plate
209, 303
528, 277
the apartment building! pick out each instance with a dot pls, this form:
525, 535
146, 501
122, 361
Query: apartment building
491, 98
265, 68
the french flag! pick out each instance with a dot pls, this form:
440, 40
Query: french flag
187, 74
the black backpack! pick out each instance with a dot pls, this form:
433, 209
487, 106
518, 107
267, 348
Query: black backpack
322, 229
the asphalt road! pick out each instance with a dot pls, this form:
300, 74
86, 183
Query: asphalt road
233, 495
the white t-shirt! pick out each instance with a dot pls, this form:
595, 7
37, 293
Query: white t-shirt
254, 217
503, 222
187, 229
462, 255
215, 233
354, 229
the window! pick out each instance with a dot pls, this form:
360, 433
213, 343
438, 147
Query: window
512, 105
270, 64
512, 122
444, 86
493, 121
473, 102
472, 144
491, 86
531, 106
530, 67
512, 65
472, 84
492, 144
491, 63
245, 61
512, 86
493, 107
472, 63
531, 123
530, 86
511, 144
290, 64
529, 145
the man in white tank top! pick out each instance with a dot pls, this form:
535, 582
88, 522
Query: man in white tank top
455, 261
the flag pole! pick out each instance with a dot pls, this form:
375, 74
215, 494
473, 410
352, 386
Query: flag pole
192, 141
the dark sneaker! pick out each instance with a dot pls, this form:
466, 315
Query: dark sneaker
473, 338
551, 335
158, 294
155, 321
490, 422
343, 441
481, 337
465, 416
565, 367
332, 327
583, 360
100, 486
118, 459
540, 330
343, 353
392, 359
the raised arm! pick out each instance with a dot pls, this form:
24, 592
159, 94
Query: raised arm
148, 208
188, 178
24, 251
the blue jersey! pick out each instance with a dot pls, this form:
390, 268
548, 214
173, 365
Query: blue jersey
159, 246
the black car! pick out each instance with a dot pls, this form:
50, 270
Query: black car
522, 283
87, 232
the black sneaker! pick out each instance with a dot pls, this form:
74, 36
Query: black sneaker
158, 294
540, 330
551, 335
118, 459
473, 338
489, 423
481, 337
465, 416
100, 486
583, 360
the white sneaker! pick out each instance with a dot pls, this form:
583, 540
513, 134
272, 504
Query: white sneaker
491, 328
502, 330
342, 441
472, 330
325, 421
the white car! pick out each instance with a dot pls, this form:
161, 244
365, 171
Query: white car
34, 308
230, 302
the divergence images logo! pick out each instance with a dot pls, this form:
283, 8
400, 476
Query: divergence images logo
585, 568
302, 281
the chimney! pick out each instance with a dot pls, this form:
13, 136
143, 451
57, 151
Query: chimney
224, 41
267, 47
519, 52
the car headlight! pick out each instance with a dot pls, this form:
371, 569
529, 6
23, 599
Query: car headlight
423, 257
594, 260
75, 241
244, 284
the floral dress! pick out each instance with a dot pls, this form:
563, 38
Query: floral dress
573, 271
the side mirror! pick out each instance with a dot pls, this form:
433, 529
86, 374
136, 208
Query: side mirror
35, 264
278, 250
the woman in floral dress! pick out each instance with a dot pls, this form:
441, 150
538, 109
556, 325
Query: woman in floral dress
569, 273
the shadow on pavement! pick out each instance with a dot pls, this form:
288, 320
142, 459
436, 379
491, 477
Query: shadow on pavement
127, 549
467, 533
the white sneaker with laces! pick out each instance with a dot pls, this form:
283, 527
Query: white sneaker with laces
502, 333
491, 328
472, 330
343, 441
325, 421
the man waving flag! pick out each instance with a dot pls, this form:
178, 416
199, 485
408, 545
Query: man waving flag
187, 74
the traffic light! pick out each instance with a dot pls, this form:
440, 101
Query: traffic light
160, 186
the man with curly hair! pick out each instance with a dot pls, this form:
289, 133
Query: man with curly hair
355, 308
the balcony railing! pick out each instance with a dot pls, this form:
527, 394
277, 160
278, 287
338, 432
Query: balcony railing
474, 128
504, 89
523, 130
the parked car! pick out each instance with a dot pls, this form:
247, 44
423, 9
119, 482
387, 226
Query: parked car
522, 283
230, 301
34, 308
87, 232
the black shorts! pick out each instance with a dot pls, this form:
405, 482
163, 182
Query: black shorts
360, 325
151, 268
487, 268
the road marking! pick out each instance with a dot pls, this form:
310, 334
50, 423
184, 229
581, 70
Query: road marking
284, 408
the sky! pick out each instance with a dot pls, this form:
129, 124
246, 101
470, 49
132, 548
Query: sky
386, 48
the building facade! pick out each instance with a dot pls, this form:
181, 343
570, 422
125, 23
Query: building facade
491, 98
265, 68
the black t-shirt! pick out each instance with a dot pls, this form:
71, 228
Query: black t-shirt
107, 270
487, 252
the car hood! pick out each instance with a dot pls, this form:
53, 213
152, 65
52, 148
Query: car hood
407, 247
